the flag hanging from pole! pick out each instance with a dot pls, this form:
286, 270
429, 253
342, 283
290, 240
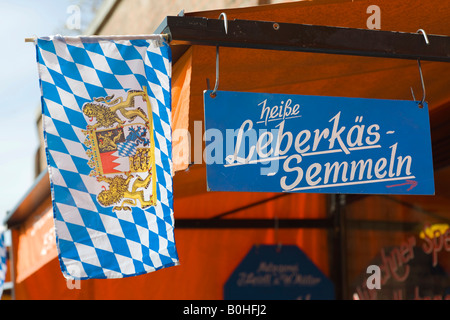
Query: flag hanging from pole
106, 108
3, 255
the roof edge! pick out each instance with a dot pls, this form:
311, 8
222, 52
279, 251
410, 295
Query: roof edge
103, 15
35, 195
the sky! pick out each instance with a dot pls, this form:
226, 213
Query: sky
19, 86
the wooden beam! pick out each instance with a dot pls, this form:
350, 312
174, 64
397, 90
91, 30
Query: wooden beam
306, 38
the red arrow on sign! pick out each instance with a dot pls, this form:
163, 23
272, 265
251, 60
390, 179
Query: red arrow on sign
410, 182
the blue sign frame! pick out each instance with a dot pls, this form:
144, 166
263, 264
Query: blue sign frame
263, 142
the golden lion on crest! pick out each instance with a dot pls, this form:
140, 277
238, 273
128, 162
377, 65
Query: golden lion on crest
118, 192
107, 116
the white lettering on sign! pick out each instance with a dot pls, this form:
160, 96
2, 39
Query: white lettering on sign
274, 145
282, 111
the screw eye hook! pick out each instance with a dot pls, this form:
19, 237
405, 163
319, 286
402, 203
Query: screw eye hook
421, 102
216, 86
423, 85
424, 35
225, 21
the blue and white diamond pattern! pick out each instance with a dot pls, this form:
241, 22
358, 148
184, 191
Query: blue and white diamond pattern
94, 241
126, 148
3, 254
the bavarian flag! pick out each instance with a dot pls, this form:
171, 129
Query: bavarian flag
3, 257
106, 108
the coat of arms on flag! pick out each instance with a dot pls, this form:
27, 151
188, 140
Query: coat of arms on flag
120, 147
106, 108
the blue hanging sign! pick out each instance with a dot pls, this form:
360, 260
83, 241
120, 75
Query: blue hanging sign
271, 272
294, 143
